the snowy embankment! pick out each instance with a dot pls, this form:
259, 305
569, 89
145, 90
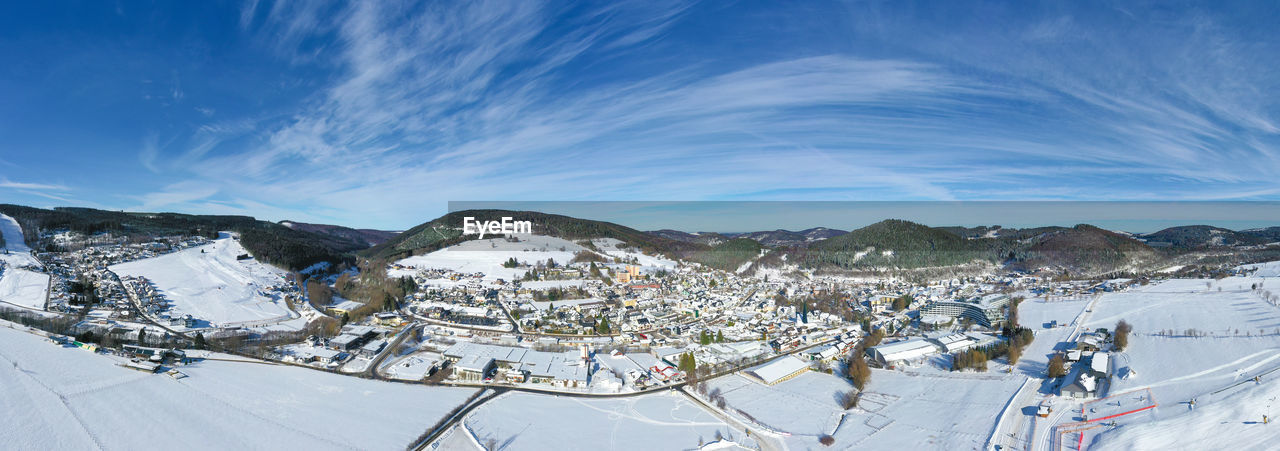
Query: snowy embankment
528, 421
67, 398
209, 283
19, 286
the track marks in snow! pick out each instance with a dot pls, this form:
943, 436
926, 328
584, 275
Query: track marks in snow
62, 399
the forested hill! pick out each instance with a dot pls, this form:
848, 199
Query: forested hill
898, 243
447, 230
903, 244
1203, 236
729, 255
362, 238
267, 241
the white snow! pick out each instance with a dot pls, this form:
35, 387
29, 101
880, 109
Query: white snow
413, 367
68, 398
659, 421
1192, 341
23, 288
609, 246
487, 256
213, 285
18, 252
899, 410
547, 284
1269, 269
19, 286
542, 305
1235, 422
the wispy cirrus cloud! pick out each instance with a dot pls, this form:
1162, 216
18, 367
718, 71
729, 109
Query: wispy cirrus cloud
535, 101
29, 186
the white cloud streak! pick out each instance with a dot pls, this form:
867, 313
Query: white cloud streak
500, 100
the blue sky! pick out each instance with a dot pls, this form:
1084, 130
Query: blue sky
376, 114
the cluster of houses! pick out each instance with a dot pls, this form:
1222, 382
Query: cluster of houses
1090, 371
1089, 376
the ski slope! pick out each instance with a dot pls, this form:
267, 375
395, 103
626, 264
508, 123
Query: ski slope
18, 254
1194, 339
67, 398
19, 286
1233, 423
23, 288
212, 285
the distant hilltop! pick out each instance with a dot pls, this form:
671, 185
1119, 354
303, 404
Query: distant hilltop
889, 245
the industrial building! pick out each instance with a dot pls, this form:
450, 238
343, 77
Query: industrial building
961, 341
472, 361
902, 351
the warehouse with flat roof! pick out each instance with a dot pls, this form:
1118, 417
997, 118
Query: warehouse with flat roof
778, 370
902, 351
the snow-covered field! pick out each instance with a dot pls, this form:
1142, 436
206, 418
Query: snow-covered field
212, 285
528, 421
543, 305
547, 284
68, 398
898, 411
487, 256
804, 407
1034, 312
609, 246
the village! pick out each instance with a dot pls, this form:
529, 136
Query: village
520, 320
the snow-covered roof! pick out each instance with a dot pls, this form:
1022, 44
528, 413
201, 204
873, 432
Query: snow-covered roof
905, 350
343, 340
1088, 382
774, 371
1099, 362
474, 363
347, 305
